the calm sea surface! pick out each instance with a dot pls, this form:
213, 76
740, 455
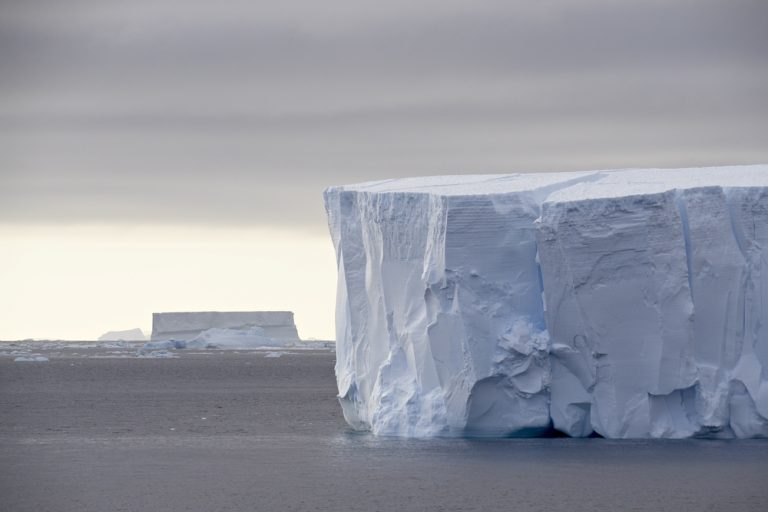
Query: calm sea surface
221, 431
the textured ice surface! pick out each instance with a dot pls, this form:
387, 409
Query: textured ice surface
251, 338
228, 339
628, 303
186, 326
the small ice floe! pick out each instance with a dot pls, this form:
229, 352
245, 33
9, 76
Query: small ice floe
155, 354
114, 344
34, 358
274, 354
165, 345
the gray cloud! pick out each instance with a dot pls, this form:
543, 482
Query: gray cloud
242, 113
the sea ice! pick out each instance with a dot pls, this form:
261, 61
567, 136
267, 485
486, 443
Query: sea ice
226, 339
627, 303
155, 354
30, 359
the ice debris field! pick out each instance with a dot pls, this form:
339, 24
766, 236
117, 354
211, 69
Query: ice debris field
627, 303
250, 338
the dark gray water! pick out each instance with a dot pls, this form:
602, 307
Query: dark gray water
241, 432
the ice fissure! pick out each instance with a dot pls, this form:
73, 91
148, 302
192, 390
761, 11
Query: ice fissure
624, 303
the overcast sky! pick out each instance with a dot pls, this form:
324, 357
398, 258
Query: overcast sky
241, 112
238, 114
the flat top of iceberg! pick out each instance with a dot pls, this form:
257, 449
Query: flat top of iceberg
574, 186
471, 184
654, 181
267, 315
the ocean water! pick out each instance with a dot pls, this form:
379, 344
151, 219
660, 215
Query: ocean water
239, 431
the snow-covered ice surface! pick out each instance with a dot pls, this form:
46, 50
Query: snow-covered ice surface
627, 303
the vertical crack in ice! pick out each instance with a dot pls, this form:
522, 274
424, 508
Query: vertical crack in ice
683, 211
738, 232
541, 194
540, 280
572, 282
742, 243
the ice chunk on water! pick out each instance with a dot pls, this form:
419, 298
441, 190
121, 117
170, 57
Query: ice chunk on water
155, 354
30, 359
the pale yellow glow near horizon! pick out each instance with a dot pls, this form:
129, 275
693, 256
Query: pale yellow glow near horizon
77, 282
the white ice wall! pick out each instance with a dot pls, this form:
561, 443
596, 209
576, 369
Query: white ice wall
650, 323
187, 325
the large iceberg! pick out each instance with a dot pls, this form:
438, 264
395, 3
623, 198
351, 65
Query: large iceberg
277, 325
624, 303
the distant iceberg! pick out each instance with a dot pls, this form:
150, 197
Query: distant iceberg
629, 303
128, 335
278, 325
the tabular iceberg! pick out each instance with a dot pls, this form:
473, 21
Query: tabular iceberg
624, 303
278, 325
127, 335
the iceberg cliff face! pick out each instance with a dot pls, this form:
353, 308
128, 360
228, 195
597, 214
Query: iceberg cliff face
627, 303
186, 326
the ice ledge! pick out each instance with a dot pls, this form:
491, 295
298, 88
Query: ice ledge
627, 303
